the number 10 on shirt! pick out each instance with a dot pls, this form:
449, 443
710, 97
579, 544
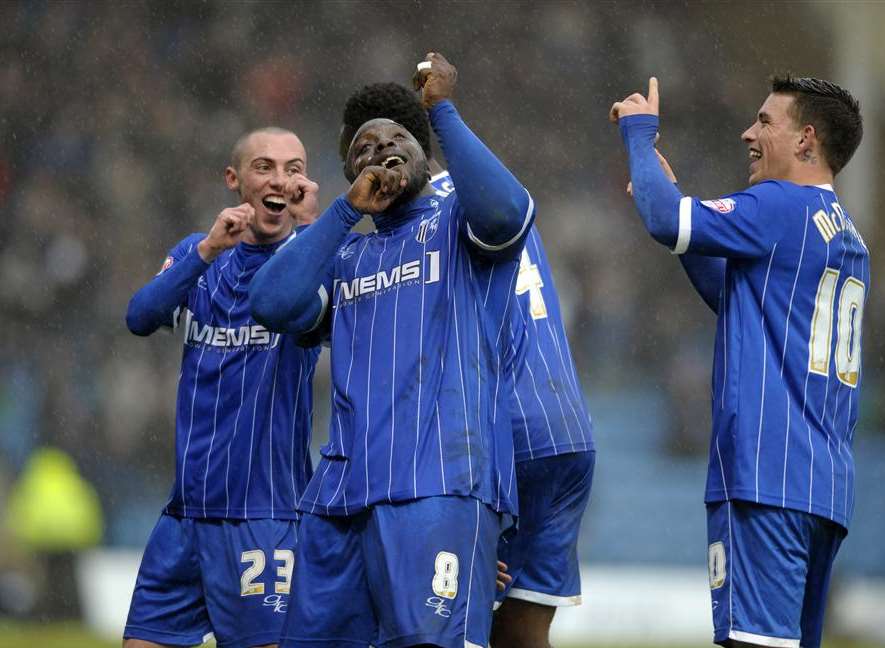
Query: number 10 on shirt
848, 315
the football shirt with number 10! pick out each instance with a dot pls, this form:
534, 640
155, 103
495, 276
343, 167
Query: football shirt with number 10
787, 366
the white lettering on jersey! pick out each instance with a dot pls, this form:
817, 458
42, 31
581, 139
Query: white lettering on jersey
219, 336
830, 224
404, 273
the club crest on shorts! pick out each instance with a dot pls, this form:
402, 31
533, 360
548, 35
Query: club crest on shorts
427, 228
716, 564
722, 205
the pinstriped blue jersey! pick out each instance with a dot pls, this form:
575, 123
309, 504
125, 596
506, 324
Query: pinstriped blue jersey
244, 407
419, 336
548, 410
787, 368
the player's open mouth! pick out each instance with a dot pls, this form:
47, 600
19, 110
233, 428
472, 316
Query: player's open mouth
755, 155
393, 161
274, 204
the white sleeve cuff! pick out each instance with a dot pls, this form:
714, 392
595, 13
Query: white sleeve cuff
505, 244
684, 237
324, 305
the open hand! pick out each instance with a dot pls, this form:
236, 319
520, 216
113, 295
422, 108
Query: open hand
301, 199
436, 82
636, 104
226, 231
375, 188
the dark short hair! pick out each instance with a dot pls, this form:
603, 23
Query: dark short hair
236, 154
831, 109
390, 100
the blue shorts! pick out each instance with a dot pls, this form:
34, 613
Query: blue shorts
769, 573
542, 557
396, 575
229, 578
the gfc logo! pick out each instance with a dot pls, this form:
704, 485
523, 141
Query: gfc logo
276, 602
439, 606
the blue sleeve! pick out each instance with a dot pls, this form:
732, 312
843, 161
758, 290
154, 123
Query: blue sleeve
747, 224
742, 225
497, 209
656, 197
155, 304
290, 293
707, 275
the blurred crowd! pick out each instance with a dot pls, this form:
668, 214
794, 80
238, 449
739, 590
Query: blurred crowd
117, 121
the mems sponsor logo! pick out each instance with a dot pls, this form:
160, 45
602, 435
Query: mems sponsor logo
405, 274
220, 337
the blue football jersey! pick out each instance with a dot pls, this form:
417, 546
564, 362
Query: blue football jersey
787, 366
419, 335
548, 410
245, 404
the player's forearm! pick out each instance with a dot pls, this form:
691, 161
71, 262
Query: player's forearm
707, 275
655, 195
285, 294
497, 207
153, 305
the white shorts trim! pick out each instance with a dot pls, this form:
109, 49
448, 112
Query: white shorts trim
762, 640
545, 599
684, 237
470, 644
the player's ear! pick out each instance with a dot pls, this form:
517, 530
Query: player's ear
807, 143
231, 179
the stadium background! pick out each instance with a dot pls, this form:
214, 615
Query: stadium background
116, 123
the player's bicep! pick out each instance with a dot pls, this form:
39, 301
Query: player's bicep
741, 225
508, 245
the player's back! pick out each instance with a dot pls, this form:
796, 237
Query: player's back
547, 406
787, 369
244, 400
549, 413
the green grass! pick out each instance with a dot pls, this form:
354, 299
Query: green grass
74, 635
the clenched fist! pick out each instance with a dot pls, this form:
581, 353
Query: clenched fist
226, 231
437, 82
375, 188
301, 199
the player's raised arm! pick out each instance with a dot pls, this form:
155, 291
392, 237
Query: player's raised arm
656, 197
154, 304
733, 226
290, 293
497, 208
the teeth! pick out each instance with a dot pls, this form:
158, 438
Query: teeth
755, 155
275, 200
392, 161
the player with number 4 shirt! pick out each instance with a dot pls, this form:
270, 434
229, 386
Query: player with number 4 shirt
786, 270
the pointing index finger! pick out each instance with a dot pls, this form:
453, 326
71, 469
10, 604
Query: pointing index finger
653, 97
